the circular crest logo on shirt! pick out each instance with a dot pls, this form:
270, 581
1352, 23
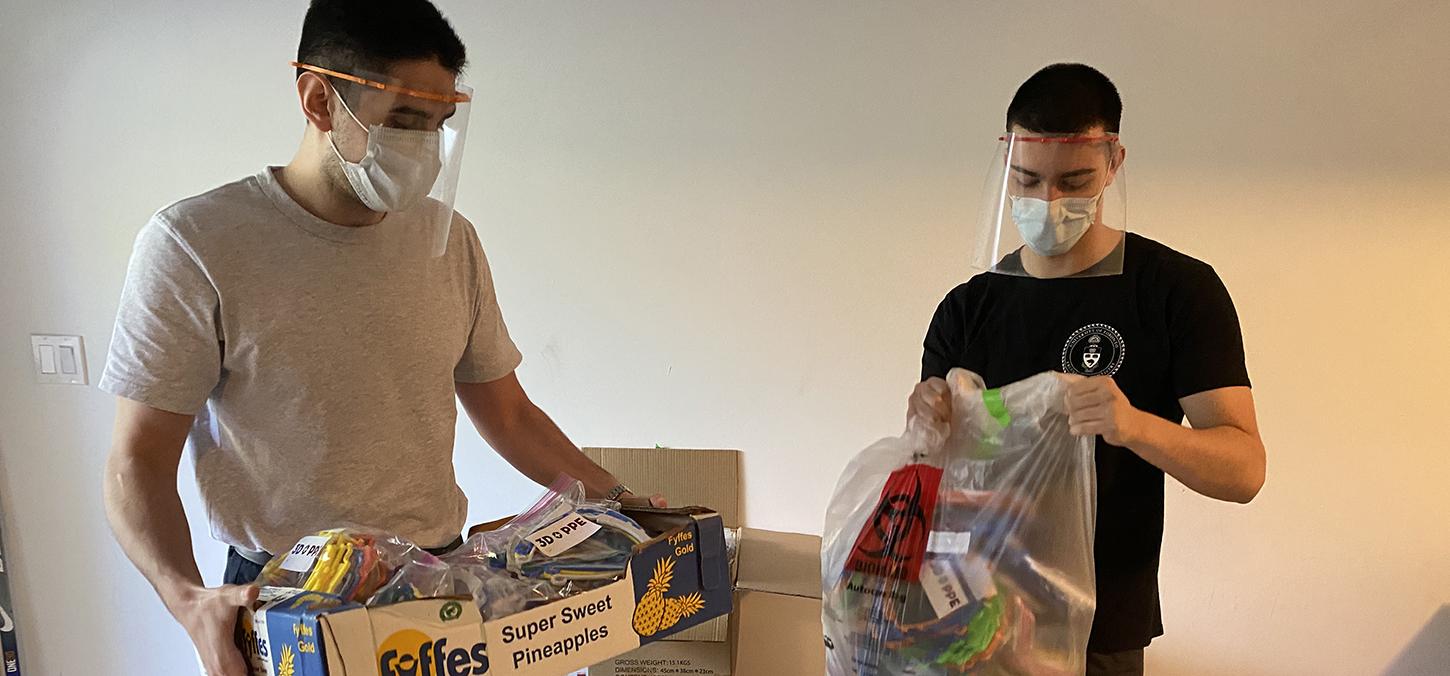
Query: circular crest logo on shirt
1094, 350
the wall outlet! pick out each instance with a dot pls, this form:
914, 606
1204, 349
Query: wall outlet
59, 359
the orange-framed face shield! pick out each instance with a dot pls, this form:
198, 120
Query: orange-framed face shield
1042, 195
416, 128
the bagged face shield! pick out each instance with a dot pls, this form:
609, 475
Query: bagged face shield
1053, 205
402, 147
350, 563
571, 541
467, 571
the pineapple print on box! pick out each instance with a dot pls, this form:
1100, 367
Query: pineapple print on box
655, 612
288, 666
672, 587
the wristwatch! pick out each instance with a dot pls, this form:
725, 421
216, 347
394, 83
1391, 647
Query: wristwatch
618, 490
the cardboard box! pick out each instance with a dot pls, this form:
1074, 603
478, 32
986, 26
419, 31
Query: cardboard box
775, 627
301, 633
684, 476
286, 633
669, 658
776, 624
307, 634
688, 476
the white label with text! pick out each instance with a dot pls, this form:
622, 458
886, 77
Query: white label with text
943, 589
559, 536
950, 584
300, 559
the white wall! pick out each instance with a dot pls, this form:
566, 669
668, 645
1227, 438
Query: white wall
726, 224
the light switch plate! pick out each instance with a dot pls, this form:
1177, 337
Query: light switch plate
59, 359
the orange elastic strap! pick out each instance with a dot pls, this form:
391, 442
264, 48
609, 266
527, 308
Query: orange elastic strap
1063, 139
456, 97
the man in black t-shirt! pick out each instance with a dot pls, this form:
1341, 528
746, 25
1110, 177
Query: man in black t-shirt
1147, 335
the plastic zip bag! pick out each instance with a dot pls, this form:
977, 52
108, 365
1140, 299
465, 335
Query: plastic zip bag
574, 543
966, 549
345, 562
468, 571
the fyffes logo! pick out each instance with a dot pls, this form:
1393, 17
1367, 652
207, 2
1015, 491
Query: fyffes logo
412, 653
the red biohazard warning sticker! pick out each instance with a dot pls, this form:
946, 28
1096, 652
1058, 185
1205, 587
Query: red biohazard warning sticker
893, 541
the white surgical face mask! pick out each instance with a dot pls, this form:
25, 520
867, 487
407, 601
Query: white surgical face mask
398, 170
1053, 228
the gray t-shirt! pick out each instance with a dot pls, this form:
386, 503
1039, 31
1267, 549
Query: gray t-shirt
318, 359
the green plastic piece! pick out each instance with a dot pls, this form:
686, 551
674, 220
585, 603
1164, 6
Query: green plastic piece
996, 407
980, 632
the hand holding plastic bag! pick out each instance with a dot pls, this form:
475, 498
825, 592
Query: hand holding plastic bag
965, 545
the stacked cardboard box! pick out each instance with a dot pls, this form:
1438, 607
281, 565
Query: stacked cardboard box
776, 628
776, 624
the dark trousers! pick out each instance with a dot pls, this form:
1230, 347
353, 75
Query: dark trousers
241, 570
1125, 663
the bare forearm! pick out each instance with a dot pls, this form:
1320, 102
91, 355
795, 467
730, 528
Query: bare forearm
536, 446
525, 436
1223, 462
149, 522
146, 515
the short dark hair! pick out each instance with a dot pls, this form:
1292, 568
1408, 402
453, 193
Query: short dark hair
352, 35
1066, 98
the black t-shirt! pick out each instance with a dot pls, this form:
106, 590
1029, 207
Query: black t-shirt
1163, 329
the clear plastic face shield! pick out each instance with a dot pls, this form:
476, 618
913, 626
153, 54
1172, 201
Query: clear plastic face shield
409, 164
1054, 205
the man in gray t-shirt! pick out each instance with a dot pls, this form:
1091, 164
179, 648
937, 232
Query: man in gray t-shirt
302, 331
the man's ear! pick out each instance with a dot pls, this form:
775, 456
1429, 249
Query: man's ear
1116, 163
315, 95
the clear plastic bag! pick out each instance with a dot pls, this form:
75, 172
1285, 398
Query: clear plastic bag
468, 571
572, 542
497, 591
560, 497
346, 562
490, 547
420, 579
968, 549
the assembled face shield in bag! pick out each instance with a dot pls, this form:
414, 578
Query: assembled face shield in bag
410, 163
1044, 195
350, 563
571, 541
969, 552
564, 544
468, 571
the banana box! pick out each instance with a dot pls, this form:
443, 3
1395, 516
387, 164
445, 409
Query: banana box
295, 633
676, 580
429, 637
283, 635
